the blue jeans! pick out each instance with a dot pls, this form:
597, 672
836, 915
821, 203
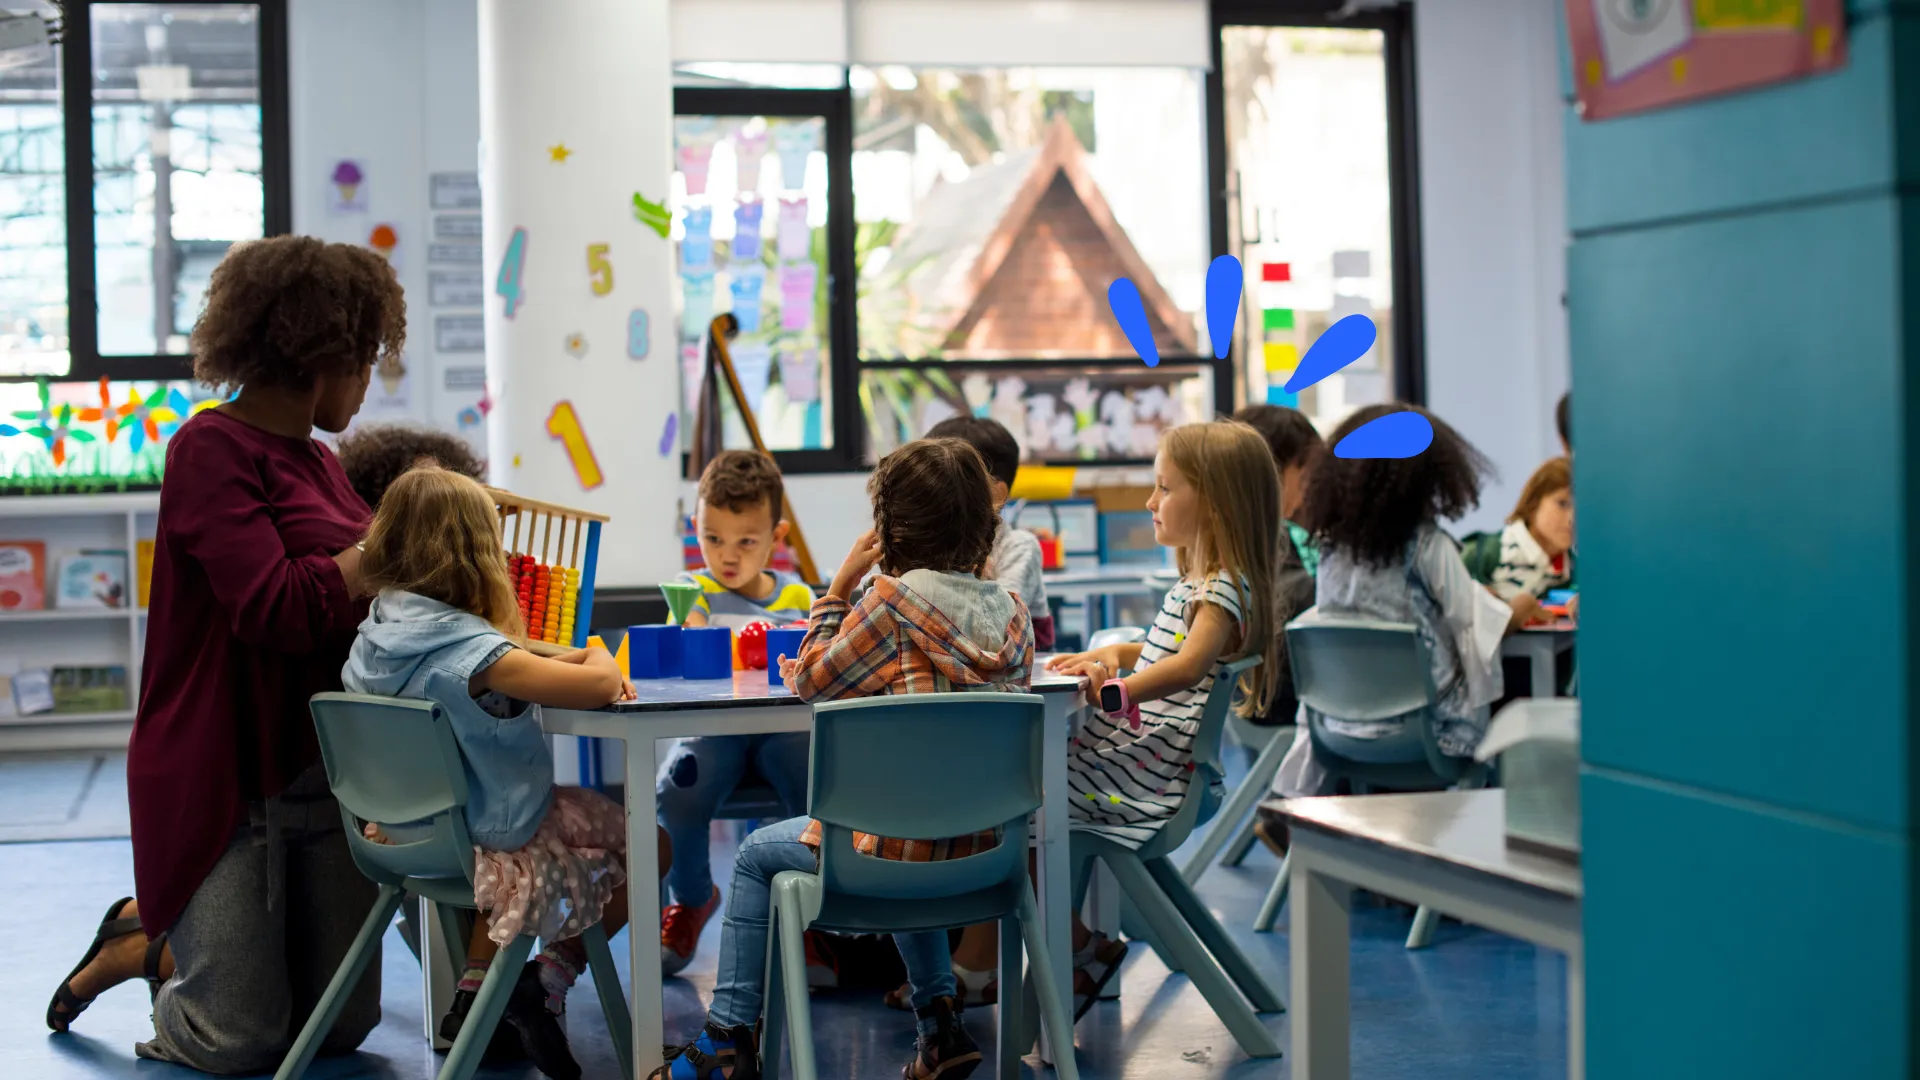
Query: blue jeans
738, 986
717, 764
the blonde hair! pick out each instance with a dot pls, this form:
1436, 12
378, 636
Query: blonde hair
1232, 471
1555, 474
437, 534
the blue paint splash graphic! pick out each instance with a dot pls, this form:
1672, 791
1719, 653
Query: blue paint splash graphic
1395, 435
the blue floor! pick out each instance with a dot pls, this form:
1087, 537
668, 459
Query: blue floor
1476, 1006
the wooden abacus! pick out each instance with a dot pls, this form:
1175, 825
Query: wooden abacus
552, 551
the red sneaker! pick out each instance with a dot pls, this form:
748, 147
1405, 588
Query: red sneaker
680, 928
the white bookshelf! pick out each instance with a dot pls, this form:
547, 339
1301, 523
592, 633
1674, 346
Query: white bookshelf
68, 524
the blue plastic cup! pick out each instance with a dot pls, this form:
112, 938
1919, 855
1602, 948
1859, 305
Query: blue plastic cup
653, 652
781, 643
706, 652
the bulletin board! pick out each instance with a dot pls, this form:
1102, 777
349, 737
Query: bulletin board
1632, 56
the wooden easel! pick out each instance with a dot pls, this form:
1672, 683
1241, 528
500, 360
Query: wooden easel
707, 428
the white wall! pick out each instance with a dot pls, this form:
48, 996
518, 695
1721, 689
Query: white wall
1493, 230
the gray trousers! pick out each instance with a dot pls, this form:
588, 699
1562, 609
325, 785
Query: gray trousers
257, 944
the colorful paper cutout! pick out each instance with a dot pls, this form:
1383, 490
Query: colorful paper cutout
638, 339
747, 284
800, 374
746, 228
564, 424
696, 249
384, 239
654, 215
467, 418
1279, 318
696, 311
349, 188
748, 150
599, 270
795, 237
576, 345
753, 366
794, 142
558, 152
507, 283
1276, 272
1277, 395
796, 295
1281, 355
669, 435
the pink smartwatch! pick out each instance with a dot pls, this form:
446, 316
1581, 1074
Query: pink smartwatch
1115, 702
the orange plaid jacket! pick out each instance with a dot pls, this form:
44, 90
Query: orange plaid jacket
895, 642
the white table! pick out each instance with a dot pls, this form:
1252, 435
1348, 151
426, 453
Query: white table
746, 705
1095, 583
1540, 645
1444, 849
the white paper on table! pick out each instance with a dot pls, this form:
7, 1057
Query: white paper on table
1555, 719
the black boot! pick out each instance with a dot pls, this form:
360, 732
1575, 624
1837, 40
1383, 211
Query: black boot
504, 1047
949, 1053
543, 1033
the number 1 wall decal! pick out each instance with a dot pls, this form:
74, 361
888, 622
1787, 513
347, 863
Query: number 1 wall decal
564, 424
507, 284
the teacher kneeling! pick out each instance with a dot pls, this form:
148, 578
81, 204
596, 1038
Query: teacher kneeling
247, 894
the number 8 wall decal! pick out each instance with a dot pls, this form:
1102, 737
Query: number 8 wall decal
564, 424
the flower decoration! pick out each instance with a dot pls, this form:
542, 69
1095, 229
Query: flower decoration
144, 416
41, 418
106, 411
56, 433
576, 345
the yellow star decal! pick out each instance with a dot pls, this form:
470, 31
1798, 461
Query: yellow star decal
559, 152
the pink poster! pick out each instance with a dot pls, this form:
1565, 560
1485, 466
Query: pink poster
796, 295
795, 237
1630, 56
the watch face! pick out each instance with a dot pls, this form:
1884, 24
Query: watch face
1111, 698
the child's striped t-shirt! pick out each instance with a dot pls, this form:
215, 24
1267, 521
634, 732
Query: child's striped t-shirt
1125, 783
790, 601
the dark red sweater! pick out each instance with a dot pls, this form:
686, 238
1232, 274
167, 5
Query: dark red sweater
250, 617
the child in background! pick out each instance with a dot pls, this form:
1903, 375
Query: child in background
1296, 446
1536, 547
445, 627
1216, 502
926, 624
376, 455
1016, 560
1384, 557
739, 523
1563, 422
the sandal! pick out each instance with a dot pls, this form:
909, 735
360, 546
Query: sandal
1093, 968
977, 988
67, 1006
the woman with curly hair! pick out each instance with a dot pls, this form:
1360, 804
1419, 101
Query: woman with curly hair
248, 898
1384, 557
375, 455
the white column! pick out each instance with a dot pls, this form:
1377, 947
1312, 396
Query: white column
576, 113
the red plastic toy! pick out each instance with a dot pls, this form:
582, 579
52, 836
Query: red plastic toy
753, 645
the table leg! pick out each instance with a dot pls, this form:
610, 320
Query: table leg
1576, 1015
1540, 650
438, 977
1321, 955
1103, 915
1053, 863
643, 907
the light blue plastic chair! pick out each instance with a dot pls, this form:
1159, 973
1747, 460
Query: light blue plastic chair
1235, 819
1363, 669
921, 766
1178, 924
394, 762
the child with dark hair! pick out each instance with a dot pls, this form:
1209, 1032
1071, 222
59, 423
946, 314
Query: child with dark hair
1296, 447
1385, 558
376, 455
1016, 560
933, 529
1563, 421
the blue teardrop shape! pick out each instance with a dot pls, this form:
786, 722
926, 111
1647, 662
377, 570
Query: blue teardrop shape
1223, 303
1395, 435
1342, 343
1124, 298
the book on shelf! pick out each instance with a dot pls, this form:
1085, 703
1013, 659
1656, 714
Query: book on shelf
143, 571
92, 579
33, 692
90, 689
23, 575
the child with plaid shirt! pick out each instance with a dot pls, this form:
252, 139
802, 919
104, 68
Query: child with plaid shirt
926, 624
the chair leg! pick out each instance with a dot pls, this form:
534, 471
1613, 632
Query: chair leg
1276, 895
1207, 977
456, 930
1239, 808
773, 1001
1236, 852
793, 977
488, 1006
613, 1001
1421, 935
409, 933
345, 978
1053, 1012
1137, 929
1011, 1042
1214, 937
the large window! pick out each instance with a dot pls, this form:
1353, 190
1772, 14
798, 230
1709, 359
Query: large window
151, 139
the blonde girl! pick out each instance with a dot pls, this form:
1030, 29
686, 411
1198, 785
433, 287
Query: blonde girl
1216, 502
445, 627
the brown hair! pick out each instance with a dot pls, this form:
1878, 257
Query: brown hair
437, 534
1233, 472
288, 309
932, 508
739, 480
1291, 437
376, 455
1555, 474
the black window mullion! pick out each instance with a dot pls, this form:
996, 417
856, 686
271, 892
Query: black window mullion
276, 159
76, 108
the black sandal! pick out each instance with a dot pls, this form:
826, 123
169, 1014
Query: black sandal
112, 927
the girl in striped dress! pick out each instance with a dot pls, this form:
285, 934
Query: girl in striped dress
1216, 502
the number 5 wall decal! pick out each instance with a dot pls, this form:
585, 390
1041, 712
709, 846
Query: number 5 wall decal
599, 270
564, 424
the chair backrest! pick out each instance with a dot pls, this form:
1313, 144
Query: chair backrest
1206, 752
1116, 635
925, 767
1369, 670
394, 762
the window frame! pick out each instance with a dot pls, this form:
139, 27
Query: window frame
85, 362
1403, 157
836, 105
